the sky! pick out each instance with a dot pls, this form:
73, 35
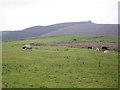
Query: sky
21, 14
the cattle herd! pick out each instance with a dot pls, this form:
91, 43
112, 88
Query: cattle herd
104, 49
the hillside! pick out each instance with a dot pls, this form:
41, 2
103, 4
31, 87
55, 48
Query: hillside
36, 31
89, 29
82, 28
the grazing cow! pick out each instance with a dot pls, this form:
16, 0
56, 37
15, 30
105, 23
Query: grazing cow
102, 50
23, 47
97, 49
106, 51
27, 47
118, 50
90, 47
106, 48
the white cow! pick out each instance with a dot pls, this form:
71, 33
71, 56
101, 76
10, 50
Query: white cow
106, 51
27, 47
97, 49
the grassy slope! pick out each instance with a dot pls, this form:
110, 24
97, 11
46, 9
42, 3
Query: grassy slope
50, 67
64, 37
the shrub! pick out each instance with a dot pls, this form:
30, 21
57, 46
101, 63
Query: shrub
43, 86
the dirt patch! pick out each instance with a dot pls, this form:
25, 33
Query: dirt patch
111, 44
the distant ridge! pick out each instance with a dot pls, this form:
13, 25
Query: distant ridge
89, 29
82, 28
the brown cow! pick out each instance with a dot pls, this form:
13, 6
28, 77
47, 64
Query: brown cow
102, 50
97, 49
90, 47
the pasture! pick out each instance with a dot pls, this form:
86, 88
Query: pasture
57, 66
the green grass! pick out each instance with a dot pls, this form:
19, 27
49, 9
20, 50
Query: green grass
57, 67
53, 38
63, 37
108, 38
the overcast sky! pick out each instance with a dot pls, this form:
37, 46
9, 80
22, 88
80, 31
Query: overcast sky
20, 14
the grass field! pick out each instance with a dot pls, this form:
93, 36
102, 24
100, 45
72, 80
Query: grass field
57, 66
64, 37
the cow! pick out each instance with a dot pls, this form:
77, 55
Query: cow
23, 47
97, 49
106, 48
106, 51
102, 50
90, 47
27, 47
118, 50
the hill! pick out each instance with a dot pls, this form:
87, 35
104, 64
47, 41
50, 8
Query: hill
82, 28
87, 29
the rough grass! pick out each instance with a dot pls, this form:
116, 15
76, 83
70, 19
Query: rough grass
107, 37
63, 37
57, 67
